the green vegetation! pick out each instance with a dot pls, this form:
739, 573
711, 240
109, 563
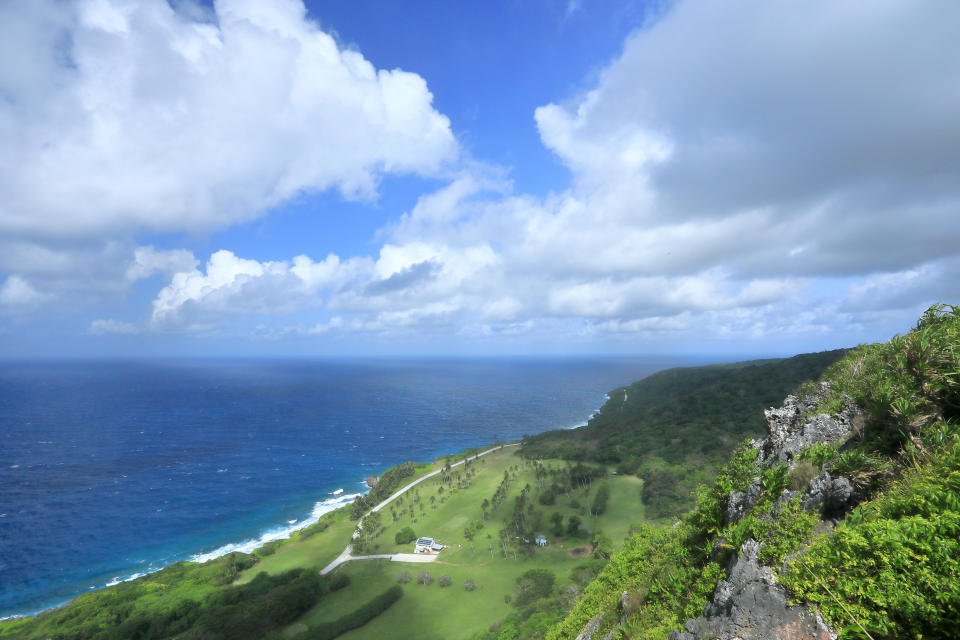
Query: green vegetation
183, 602
890, 567
483, 567
676, 427
405, 535
355, 619
391, 480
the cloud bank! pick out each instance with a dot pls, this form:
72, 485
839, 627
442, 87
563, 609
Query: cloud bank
738, 171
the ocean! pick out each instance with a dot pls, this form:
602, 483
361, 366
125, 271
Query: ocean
112, 469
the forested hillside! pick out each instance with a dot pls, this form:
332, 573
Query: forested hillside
846, 514
677, 427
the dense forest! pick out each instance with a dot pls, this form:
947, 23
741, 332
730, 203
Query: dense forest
677, 427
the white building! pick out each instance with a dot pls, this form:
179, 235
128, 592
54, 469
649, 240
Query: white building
427, 545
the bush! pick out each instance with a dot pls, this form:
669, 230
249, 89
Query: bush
404, 577
354, 619
424, 578
444, 581
469, 585
405, 535
892, 562
546, 498
533, 585
801, 475
599, 505
573, 526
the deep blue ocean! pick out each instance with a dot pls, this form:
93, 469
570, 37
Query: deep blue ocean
110, 469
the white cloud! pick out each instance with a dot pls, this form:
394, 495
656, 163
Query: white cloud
17, 292
122, 115
739, 171
147, 261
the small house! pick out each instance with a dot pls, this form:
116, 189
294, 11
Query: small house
541, 541
427, 545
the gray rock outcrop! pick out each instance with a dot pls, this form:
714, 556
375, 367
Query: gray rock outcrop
790, 431
739, 503
590, 628
750, 605
830, 496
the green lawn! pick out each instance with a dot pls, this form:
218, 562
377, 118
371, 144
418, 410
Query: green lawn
451, 613
321, 548
316, 551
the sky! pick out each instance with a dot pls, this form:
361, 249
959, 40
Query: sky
546, 177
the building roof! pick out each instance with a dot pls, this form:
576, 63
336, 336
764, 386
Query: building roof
426, 542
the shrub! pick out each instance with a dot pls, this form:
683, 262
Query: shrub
801, 475
425, 578
354, 619
599, 505
584, 573
444, 581
547, 498
403, 577
469, 585
893, 561
405, 535
573, 526
533, 585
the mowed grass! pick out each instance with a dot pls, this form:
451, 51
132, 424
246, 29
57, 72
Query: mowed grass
453, 613
319, 549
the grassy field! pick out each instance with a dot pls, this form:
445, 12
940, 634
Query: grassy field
451, 612
319, 549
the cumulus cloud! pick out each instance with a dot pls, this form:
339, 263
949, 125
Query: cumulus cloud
739, 171
123, 115
232, 285
822, 125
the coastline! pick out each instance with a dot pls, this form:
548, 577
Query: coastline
279, 532
283, 531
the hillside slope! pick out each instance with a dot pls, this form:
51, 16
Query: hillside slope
677, 427
844, 519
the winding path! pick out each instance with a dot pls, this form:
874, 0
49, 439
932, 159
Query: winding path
400, 557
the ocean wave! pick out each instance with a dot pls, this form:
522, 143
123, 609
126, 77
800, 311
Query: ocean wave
606, 398
117, 580
278, 533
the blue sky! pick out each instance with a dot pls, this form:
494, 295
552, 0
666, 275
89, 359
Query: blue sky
549, 177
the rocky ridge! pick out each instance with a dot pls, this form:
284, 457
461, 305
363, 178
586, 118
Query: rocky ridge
749, 604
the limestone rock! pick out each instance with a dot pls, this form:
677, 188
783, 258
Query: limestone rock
739, 503
590, 628
750, 605
831, 496
789, 432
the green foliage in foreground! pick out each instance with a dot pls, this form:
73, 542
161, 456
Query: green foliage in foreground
904, 384
894, 563
675, 428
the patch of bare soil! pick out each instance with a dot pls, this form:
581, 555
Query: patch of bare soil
579, 552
